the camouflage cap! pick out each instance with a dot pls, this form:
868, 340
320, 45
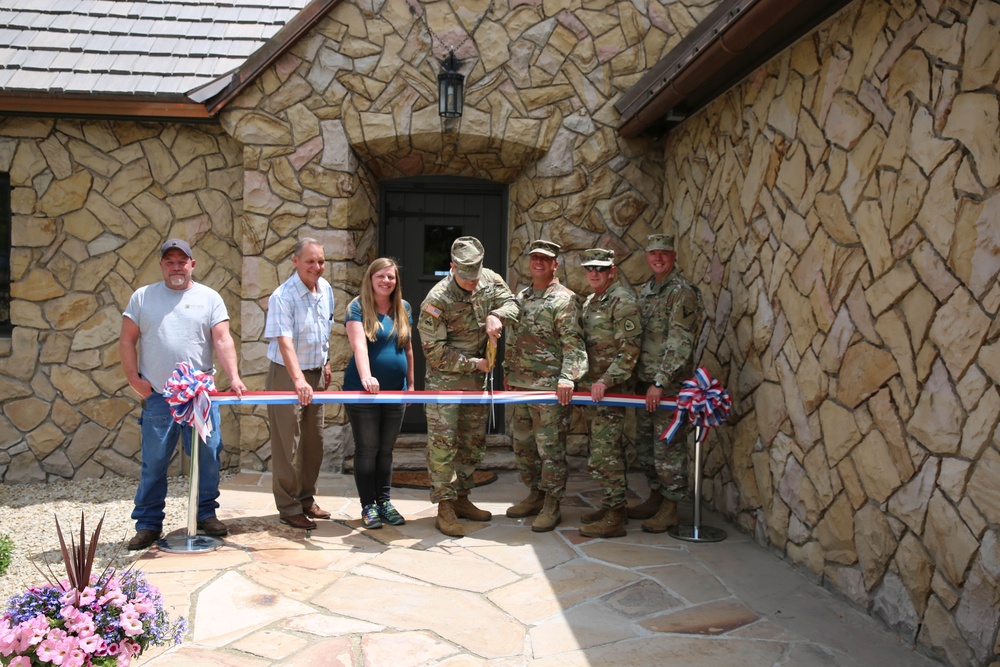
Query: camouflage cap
598, 257
179, 244
542, 247
467, 256
659, 242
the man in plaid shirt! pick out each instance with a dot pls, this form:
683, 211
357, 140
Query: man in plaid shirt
299, 318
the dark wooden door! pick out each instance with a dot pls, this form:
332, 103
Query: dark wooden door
420, 218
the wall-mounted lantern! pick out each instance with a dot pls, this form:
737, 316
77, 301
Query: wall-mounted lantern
451, 87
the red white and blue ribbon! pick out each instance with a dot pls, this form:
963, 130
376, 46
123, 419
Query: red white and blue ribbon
187, 393
438, 397
703, 400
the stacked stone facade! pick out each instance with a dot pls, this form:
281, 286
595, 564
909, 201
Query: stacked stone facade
91, 203
840, 209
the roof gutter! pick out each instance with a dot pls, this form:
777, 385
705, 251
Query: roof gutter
734, 40
174, 107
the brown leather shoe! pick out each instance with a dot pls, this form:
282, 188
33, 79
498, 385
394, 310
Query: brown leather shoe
315, 512
299, 521
212, 526
143, 539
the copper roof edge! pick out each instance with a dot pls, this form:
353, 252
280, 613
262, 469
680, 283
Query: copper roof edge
736, 38
153, 108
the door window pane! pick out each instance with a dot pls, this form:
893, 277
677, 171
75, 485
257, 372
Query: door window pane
437, 248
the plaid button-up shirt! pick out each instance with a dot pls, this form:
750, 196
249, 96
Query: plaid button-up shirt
303, 316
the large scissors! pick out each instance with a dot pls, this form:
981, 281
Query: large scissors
491, 358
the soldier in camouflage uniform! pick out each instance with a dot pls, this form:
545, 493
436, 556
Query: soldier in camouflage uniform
671, 317
545, 352
612, 331
459, 315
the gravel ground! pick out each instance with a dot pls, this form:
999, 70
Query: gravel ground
28, 513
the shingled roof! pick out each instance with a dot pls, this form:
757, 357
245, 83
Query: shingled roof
148, 49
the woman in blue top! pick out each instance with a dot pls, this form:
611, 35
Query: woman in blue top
378, 327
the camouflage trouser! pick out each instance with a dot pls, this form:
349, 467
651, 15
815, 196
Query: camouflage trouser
456, 444
607, 453
540, 446
665, 465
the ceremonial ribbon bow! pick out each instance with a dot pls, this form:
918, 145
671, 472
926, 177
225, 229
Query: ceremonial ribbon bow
186, 392
704, 399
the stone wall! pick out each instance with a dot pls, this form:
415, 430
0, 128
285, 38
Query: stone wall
839, 209
354, 102
92, 202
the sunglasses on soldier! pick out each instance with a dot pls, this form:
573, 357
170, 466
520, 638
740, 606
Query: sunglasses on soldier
599, 269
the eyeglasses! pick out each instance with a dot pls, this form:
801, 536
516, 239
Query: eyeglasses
599, 269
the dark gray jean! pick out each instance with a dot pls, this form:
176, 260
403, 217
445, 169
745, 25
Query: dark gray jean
375, 428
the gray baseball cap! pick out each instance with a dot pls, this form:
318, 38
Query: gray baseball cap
179, 244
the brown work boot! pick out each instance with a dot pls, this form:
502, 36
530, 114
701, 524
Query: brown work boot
466, 510
446, 521
549, 517
593, 517
612, 524
648, 507
530, 506
665, 518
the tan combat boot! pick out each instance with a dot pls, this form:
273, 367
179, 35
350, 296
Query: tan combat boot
663, 519
549, 517
447, 522
530, 506
648, 507
466, 510
611, 525
593, 517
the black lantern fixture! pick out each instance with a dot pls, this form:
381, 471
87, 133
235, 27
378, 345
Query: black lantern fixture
451, 87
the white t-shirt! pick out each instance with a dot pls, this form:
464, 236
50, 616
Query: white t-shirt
174, 326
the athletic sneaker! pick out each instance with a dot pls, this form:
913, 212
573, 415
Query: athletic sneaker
370, 517
389, 514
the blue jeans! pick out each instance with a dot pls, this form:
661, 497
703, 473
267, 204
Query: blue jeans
375, 428
159, 440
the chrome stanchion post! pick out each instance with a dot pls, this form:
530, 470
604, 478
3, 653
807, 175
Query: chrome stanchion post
191, 541
696, 532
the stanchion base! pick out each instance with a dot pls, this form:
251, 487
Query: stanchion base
690, 533
188, 545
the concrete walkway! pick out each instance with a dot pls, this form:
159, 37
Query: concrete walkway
502, 595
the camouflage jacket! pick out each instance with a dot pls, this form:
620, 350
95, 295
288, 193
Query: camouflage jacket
546, 344
613, 331
671, 318
452, 327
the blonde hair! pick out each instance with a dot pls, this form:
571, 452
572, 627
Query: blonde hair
397, 311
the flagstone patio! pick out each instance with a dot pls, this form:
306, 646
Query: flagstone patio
503, 595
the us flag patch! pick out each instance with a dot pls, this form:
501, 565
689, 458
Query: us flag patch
436, 312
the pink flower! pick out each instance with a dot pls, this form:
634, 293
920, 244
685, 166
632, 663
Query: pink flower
34, 631
131, 625
76, 658
87, 596
90, 643
144, 607
53, 650
20, 661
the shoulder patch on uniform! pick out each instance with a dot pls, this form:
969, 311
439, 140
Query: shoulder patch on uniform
430, 309
629, 325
